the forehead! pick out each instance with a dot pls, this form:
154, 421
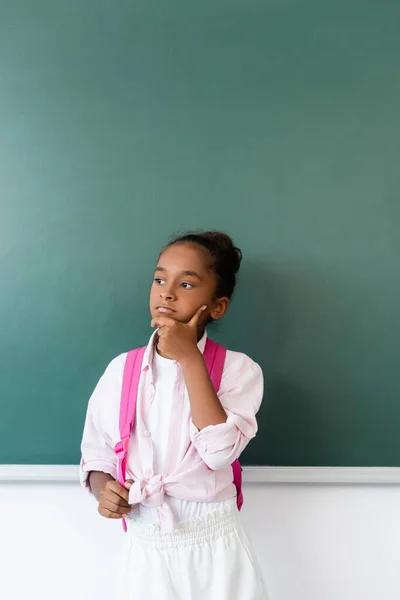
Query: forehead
185, 257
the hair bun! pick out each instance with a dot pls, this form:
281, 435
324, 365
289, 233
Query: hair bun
223, 242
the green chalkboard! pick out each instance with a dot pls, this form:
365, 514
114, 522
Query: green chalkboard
275, 120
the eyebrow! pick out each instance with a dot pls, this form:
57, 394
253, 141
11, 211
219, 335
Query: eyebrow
187, 273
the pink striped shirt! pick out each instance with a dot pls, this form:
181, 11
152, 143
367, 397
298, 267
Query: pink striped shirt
197, 464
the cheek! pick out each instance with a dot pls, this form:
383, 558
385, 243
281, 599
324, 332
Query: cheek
153, 291
189, 301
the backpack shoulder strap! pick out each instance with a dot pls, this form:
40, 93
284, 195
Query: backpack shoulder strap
127, 410
214, 357
130, 384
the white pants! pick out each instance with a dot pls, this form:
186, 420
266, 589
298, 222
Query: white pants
209, 558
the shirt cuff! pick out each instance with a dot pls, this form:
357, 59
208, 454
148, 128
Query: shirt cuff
102, 466
215, 438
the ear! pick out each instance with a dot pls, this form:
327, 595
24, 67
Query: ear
220, 308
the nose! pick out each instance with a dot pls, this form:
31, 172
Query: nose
167, 295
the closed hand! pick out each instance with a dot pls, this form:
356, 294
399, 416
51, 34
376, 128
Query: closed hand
176, 340
113, 501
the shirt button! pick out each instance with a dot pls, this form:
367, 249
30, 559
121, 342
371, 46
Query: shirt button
148, 476
147, 433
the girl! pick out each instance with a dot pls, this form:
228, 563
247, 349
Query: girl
185, 539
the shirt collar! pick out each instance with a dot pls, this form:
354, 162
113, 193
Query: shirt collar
149, 352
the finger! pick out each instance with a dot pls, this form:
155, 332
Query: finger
162, 331
194, 321
110, 496
104, 512
162, 321
128, 483
117, 488
107, 504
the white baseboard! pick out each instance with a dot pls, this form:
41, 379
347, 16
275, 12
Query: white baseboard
315, 475
329, 475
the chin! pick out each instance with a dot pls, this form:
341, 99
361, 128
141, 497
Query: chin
155, 313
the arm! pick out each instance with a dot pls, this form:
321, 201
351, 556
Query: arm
240, 395
99, 464
178, 341
222, 425
205, 405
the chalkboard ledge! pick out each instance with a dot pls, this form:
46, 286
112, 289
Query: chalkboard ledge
316, 475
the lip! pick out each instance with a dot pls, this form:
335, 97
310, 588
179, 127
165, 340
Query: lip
165, 310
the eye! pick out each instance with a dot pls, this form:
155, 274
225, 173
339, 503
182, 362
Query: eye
159, 280
187, 286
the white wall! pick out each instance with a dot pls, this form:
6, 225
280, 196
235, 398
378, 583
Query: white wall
314, 542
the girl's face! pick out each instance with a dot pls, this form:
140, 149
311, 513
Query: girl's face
183, 283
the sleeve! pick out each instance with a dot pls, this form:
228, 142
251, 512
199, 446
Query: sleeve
240, 394
100, 425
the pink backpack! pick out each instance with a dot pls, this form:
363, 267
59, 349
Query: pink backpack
214, 356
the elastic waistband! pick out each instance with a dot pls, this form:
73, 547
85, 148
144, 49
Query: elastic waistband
187, 533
